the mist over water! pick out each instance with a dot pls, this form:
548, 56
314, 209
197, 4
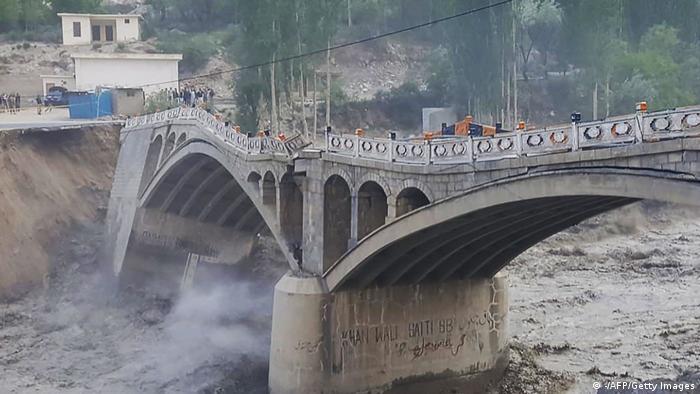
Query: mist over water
207, 332
80, 335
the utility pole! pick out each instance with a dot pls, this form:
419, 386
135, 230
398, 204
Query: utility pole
328, 84
274, 122
595, 101
315, 105
515, 73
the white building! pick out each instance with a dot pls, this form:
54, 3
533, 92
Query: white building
82, 29
152, 72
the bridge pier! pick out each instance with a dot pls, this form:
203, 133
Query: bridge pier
408, 338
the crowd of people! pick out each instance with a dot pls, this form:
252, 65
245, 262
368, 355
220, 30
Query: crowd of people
10, 103
191, 96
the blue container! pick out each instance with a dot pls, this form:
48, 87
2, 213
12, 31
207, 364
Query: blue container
83, 105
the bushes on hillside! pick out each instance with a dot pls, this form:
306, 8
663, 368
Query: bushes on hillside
196, 49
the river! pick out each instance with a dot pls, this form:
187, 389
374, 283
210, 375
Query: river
613, 298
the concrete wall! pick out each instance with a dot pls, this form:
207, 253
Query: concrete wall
85, 32
159, 244
128, 101
117, 70
124, 198
433, 118
405, 339
128, 31
122, 32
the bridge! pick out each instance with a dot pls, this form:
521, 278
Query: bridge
394, 246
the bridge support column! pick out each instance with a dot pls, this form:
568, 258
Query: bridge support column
354, 219
402, 339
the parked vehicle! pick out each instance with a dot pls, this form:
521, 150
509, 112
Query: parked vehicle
56, 96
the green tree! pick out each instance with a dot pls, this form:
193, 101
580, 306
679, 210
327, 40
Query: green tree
9, 14
85, 6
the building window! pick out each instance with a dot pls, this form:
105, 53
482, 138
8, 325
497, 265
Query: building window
76, 29
127, 21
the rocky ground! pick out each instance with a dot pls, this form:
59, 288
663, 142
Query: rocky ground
612, 299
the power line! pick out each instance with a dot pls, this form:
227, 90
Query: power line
336, 47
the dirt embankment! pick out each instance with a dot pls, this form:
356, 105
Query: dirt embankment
48, 182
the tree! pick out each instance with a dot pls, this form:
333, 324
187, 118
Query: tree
9, 14
539, 24
84, 6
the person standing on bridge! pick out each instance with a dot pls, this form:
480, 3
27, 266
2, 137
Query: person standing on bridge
18, 99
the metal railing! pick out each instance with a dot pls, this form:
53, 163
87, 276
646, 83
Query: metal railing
629, 129
239, 141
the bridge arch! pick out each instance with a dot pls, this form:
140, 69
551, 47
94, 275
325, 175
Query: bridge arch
424, 188
269, 189
168, 147
151, 164
337, 212
372, 208
214, 189
409, 199
181, 139
343, 174
292, 213
378, 179
254, 181
476, 233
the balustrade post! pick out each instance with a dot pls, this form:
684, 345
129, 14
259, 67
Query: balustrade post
470, 149
519, 143
429, 153
638, 127
357, 146
392, 146
574, 137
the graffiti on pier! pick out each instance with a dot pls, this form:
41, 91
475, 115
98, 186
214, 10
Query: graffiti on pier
420, 338
369, 334
424, 346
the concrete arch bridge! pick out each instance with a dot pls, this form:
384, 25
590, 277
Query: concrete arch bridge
393, 245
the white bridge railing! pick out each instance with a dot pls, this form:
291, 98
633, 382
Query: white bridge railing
239, 141
629, 129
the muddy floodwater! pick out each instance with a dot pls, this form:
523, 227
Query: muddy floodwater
617, 297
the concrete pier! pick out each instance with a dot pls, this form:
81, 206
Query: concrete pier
411, 338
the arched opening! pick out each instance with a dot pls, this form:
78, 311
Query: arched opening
169, 145
476, 233
254, 181
292, 214
371, 208
151, 162
336, 219
181, 139
269, 190
409, 199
